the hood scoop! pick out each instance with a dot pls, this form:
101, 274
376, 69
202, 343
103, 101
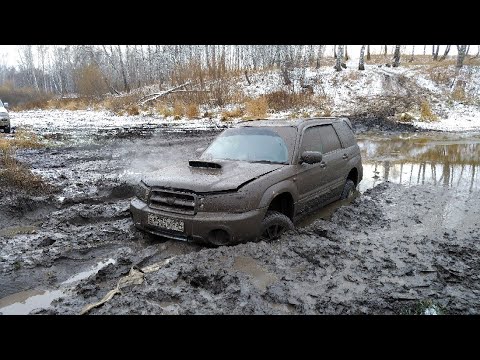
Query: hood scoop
204, 164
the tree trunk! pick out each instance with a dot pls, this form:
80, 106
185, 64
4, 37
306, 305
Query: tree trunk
461, 55
385, 51
338, 64
447, 50
361, 63
334, 51
246, 77
413, 52
368, 53
346, 53
122, 70
435, 54
396, 56
424, 49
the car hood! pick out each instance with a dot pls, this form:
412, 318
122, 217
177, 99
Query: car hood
209, 176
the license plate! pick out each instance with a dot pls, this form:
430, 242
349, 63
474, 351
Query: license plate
166, 223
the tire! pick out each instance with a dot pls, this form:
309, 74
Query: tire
274, 225
348, 190
6, 130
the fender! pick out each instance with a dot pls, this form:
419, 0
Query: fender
277, 189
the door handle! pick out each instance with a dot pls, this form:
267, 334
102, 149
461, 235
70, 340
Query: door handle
345, 156
323, 165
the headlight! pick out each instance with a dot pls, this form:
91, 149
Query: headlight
234, 202
142, 191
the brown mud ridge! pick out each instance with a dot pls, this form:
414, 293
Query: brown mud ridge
390, 251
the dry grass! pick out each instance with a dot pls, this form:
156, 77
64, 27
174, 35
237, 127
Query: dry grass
257, 108
192, 111
163, 109
236, 113
15, 174
426, 113
352, 75
179, 109
440, 74
133, 110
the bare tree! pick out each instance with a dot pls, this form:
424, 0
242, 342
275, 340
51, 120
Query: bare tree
413, 52
338, 63
447, 50
385, 51
435, 52
396, 56
368, 53
424, 49
461, 49
361, 63
346, 53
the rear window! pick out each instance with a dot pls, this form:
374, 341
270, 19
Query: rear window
320, 138
345, 133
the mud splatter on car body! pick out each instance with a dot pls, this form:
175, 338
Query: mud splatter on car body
253, 181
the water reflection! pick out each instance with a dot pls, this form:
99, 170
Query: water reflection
451, 162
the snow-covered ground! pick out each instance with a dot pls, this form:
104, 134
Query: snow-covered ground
90, 120
346, 92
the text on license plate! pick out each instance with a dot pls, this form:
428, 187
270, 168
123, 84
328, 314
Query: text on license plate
166, 223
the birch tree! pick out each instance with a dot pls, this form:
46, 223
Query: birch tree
338, 63
461, 49
396, 56
361, 63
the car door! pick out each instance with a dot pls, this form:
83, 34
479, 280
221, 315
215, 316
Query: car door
335, 164
310, 178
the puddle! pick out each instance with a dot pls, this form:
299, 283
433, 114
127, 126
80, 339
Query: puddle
415, 159
442, 160
85, 274
260, 277
23, 302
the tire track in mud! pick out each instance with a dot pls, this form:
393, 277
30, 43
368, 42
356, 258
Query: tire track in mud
46, 239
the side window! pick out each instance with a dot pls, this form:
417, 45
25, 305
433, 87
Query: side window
311, 140
329, 139
345, 133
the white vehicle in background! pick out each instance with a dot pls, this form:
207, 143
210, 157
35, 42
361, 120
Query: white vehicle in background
4, 117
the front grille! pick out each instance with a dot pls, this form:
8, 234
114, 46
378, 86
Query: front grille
173, 201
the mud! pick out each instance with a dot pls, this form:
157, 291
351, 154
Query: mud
396, 247
379, 255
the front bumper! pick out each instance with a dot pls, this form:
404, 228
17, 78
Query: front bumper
241, 227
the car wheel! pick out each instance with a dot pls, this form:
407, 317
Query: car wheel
7, 130
274, 225
348, 190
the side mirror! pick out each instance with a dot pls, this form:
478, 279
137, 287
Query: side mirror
199, 150
5, 105
311, 157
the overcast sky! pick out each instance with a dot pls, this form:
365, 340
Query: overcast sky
10, 52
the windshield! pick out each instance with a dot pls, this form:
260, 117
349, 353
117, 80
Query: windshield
1, 104
249, 144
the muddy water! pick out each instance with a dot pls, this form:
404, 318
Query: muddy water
447, 160
439, 159
23, 302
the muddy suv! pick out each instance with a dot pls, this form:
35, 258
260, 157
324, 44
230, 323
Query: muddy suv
252, 182
4, 117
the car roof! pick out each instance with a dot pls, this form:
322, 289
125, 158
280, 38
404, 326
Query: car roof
289, 122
